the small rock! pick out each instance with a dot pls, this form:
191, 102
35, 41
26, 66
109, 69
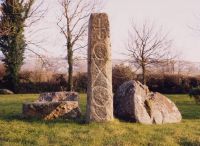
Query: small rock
5, 91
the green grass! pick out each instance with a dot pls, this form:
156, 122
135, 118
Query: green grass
15, 131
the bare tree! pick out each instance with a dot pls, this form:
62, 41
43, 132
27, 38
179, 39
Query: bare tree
73, 25
147, 46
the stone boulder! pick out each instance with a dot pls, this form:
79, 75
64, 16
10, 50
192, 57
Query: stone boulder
5, 91
53, 105
134, 102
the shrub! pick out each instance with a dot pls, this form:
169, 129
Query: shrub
194, 81
121, 74
195, 93
2, 71
39, 87
155, 82
80, 82
36, 82
171, 83
25, 76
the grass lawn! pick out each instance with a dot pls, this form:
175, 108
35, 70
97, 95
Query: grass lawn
15, 131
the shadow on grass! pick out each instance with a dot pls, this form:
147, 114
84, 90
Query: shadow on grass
189, 110
19, 117
186, 142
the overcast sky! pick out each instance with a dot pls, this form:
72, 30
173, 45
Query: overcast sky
176, 17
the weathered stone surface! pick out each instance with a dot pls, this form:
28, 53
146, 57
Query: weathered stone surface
54, 105
58, 96
52, 110
163, 110
5, 91
99, 96
134, 102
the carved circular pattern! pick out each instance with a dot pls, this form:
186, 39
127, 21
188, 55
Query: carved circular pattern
101, 95
100, 51
101, 98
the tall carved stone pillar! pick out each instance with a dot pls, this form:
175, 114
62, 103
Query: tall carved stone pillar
99, 96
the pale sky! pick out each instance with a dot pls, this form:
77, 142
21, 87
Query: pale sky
175, 16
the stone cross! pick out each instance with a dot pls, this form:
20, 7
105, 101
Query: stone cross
99, 96
100, 29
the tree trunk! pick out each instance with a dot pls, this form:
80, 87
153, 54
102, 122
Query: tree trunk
70, 69
69, 56
143, 74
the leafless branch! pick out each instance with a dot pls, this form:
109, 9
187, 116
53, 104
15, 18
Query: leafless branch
74, 20
147, 46
34, 12
73, 24
41, 57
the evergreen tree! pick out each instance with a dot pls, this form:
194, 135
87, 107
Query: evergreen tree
12, 44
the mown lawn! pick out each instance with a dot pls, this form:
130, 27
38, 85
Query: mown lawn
15, 131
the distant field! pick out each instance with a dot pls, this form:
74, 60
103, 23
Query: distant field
15, 131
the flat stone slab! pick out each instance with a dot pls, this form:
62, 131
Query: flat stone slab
52, 110
58, 96
53, 105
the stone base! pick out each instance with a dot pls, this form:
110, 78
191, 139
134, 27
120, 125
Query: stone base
51, 110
